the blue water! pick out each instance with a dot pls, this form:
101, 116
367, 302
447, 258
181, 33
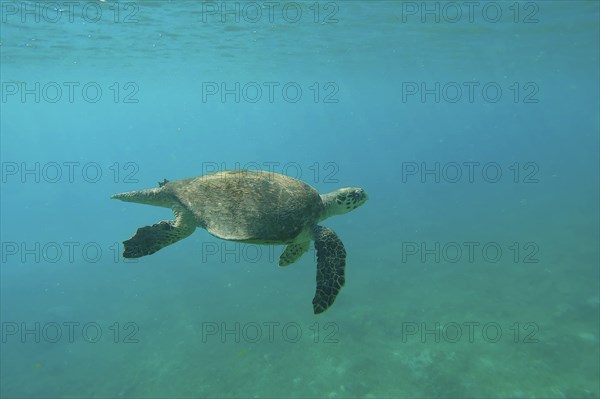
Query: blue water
472, 271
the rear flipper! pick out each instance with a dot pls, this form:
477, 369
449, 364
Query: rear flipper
149, 239
331, 264
292, 253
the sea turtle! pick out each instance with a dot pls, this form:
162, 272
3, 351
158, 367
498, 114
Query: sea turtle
254, 207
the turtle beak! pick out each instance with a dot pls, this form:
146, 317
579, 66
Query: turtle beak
360, 197
363, 195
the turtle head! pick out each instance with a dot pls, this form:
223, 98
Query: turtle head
154, 196
343, 201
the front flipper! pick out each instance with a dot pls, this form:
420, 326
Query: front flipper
331, 262
292, 253
147, 240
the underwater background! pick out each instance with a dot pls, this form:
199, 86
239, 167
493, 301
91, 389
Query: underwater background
472, 271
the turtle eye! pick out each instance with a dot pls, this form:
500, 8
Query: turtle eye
356, 196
